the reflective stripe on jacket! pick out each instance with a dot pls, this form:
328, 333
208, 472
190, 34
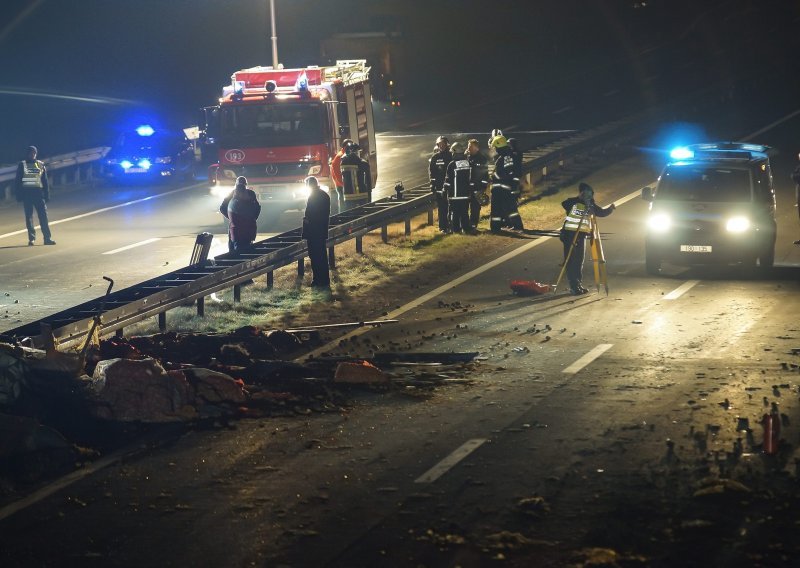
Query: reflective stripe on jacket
32, 174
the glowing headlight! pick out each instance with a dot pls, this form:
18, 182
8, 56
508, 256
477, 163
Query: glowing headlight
314, 170
737, 224
659, 223
302, 192
144, 164
681, 153
126, 164
221, 191
164, 160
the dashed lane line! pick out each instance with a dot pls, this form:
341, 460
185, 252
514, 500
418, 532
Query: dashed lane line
588, 358
450, 461
134, 245
681, 290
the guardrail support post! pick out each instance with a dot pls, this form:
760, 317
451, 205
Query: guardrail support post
270, 280
119, 333
301, 267
430, 216
408, 227
162, 321
237, 292
201, 306
331, 258
359, 245
385, 233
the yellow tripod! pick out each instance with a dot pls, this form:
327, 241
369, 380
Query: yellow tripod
598, 257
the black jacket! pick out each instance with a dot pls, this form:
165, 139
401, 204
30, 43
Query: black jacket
317, 216
437, 168
480, 171
504, 170
363, 177
458, 182
21, 193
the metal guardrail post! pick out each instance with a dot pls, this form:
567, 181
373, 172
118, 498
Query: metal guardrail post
270, 280
162, 321
359, 245
201, 306
237, 293
331, 258
301, 267
430, 216
407, 227
385, 233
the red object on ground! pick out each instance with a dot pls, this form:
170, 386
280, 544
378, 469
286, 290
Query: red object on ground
772, 432
529, 287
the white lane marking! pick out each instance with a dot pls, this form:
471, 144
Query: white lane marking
681, 290
134, 245
447, 463
789, 116
588, 358
104, 209
445, 287
562, 110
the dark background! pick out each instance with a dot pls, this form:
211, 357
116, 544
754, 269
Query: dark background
161, 60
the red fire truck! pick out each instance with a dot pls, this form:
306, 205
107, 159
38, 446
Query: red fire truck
278, 126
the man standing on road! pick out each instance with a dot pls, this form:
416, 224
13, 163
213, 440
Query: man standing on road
504, 183
437, 168
458, 185
241, 208
576, 228
796, 179
478, 163
356, 178
337, 200
315, 232
32, 188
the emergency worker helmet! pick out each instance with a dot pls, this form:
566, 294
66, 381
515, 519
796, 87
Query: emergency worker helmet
498, 141
455, 148
352, 148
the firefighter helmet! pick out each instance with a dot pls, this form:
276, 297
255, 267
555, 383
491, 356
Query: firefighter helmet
498, 141
455, 148
352, 148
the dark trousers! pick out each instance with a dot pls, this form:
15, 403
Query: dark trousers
441, 202
499, 212
41, 211
318, 255
575, 262
474, 210
459, 215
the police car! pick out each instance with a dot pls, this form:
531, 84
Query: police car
148, 153
713, 204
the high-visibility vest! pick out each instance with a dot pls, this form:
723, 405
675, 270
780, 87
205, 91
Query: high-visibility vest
32, 174
576, 219
354, 183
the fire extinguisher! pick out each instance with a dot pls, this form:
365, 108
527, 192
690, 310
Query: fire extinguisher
772, 432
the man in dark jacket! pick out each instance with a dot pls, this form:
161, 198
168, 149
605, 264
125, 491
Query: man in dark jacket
315, 232
576, 228
478, 163
241, 208
796, 179
505, 180
32, 188
437, 168
458, 186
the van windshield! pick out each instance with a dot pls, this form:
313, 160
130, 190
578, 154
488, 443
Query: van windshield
705, 183
272, 125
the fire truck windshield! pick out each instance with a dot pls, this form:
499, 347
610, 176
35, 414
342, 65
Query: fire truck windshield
270, 124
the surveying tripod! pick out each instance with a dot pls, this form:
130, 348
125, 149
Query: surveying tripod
598, 257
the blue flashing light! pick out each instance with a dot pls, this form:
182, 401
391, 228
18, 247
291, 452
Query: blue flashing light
302, 82
145, 130
681, 153
145, 163
126, 164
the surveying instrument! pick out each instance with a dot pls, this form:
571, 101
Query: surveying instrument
596, 248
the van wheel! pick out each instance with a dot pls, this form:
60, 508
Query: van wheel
652, 264
767, 258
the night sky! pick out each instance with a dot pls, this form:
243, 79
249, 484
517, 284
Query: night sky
168, 58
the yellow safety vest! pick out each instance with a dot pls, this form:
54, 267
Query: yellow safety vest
576, 220
353, 190
32, 174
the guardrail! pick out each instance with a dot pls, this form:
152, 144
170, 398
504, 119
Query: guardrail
63, 169
157, 296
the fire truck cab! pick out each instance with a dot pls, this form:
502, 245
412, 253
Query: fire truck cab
278, 126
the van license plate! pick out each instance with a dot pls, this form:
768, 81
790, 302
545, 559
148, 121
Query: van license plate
695, 248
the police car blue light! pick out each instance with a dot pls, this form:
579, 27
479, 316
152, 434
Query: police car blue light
681, 153
145, 130
126, 164
144, 164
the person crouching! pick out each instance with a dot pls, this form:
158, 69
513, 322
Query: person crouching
241, 208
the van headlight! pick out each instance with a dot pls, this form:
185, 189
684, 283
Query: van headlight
737, 224
659, 223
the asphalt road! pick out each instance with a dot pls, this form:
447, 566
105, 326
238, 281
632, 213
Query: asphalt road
576, 403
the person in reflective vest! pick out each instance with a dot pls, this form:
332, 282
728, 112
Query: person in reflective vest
437, 169
577, 227
356, 178
241, 208
504, 183
32, 188
458, 185
337, 200
316, 220
480, 181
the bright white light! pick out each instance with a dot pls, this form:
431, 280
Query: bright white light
659, 223
221, 191
126, 164
145, 163
737, 224
681, 153
302, 192
145, 130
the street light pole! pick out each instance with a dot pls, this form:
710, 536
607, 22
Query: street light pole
274, 35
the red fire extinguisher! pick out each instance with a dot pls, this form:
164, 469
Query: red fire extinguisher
772, 432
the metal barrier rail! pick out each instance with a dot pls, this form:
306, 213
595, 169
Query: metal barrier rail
193, 283
60, 162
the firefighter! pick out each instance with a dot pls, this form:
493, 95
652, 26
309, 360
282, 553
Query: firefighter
315, 231
576, 229
356, 178
241, 208
504, 183
480, 181
337, 201
458, 186
437, 168
32, 188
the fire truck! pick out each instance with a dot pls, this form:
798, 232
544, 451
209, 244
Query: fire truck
278, 126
